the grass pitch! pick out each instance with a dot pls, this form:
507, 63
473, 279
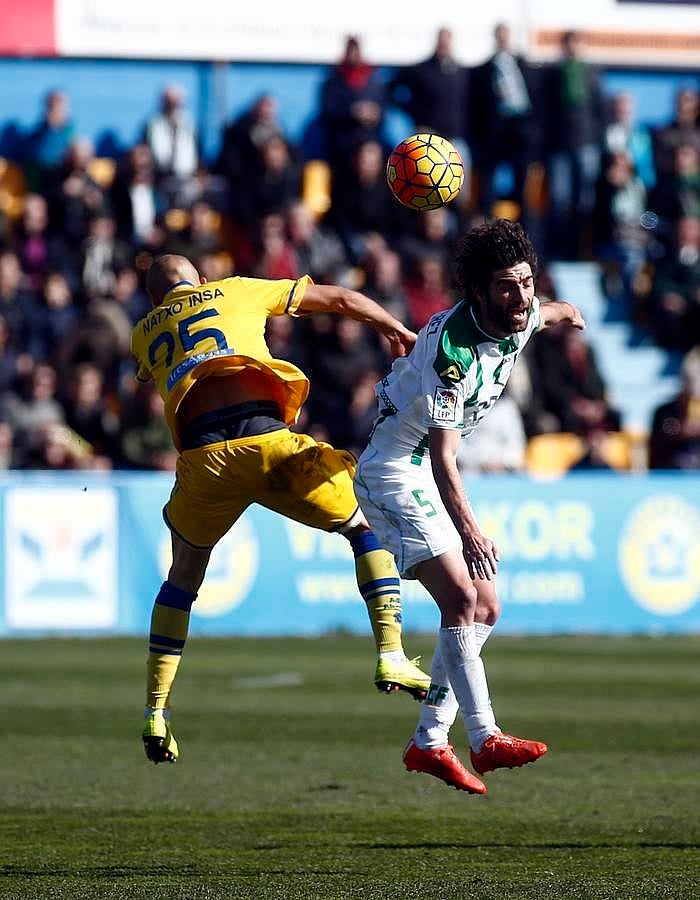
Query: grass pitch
290, 783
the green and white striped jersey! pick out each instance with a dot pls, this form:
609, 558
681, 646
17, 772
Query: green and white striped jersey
451, 379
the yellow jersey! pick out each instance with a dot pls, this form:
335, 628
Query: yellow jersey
214, 329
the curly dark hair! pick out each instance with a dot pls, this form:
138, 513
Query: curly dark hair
487, 248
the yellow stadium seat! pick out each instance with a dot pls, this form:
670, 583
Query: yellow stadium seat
102, 170
316, 187
535, 190
506, 209
176, 219
553, 454
615, 450
12, 188
625, 450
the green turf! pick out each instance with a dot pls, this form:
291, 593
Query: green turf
290, 783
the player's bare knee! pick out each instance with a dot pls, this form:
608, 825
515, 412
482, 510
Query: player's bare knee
487, 612
188, 566
463, 604
488, 609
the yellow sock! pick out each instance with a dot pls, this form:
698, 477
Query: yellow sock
380, 587
169, 624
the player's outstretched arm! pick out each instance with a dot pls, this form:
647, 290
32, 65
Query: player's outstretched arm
336, 299
556, 312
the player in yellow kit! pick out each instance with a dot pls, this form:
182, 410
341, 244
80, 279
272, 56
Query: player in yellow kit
229, 406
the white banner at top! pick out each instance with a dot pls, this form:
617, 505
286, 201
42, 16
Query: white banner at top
314, 30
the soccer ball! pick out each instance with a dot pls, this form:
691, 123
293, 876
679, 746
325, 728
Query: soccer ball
425, 171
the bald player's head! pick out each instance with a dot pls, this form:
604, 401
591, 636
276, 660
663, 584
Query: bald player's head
165, 272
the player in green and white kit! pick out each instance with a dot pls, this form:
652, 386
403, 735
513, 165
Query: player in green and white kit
410, 489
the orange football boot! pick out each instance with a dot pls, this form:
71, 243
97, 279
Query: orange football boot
503, 751
442, 762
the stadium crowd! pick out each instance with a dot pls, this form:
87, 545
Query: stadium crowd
588, 180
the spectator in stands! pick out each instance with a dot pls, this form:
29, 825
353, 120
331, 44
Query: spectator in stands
38, 250
684, 129
360, 201
73, 194
87, 414
16, 300
172, 139
362, 411
285, 339
431, 233
572, 387
340, 353
353, 102
525, 389
201, 234
47, 143
624, 134
317, 249
385, 282
128, 293
274, 188
276, 256
619, 237
101, 338
576, 113
675, 432
135, 199
102, 254
239, 157
678, 194
434, 93
33, 406
54, 319
427, 290
498, 444
504, 127
675, 295
144, 436
215, 266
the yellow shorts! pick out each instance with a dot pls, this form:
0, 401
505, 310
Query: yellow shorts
286, 472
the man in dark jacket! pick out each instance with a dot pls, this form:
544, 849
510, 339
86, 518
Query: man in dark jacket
434, 92
575, 105
504, 125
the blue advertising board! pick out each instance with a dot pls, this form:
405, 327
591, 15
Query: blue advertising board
595, 553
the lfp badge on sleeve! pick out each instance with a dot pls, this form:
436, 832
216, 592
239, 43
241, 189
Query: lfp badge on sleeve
61, 558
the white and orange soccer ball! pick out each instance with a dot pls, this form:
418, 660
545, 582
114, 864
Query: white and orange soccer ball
424, 171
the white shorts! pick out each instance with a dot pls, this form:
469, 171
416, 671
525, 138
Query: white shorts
403, 505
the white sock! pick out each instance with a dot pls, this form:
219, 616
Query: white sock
460, 653
439, 709
482, 633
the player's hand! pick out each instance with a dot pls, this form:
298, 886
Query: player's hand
401, 342
576, 320
481, 556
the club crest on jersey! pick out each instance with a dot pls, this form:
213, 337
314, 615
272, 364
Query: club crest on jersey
445, 405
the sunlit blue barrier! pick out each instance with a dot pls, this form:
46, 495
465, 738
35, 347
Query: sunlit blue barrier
86, 553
